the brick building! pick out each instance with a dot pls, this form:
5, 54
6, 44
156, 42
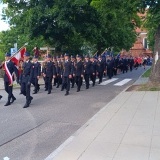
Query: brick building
140, 47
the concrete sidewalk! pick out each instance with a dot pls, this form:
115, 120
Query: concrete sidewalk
128, 128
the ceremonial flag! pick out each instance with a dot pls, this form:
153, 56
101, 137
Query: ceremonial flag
18, 56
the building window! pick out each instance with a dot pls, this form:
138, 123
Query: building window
145, 43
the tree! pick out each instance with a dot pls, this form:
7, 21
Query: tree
119, 19
152, 23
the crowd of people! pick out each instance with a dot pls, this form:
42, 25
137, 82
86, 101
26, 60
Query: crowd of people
64, 70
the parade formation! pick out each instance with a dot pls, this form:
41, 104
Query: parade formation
63, 71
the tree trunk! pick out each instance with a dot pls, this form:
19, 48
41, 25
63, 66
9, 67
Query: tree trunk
155, 71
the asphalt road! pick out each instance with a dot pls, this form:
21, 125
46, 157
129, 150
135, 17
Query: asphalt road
35, 132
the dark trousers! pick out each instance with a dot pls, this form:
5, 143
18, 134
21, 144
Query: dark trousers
45, 84
66, 83
100, 76
55, 81
110, 73
35, 83
9, 90
131, 67
78, 82
86, 77
49, 83
26, 89
73, 81
115, 71
125, 68
59, 80
93, 79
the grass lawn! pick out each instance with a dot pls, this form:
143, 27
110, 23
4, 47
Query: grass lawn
147, 73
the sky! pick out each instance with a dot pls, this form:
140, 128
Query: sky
3, 25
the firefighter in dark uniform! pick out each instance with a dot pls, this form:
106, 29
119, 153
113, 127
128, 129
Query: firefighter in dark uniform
26, 78
101, 68
49, 73
110, 65
73, 62
58, 71
55, 63
131, 63
125, 65
36, 74
9, 68
78, 72
87, 70
44, 64
93, 70
66, 74
115, 65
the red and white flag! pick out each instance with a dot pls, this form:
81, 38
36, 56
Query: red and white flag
18, 56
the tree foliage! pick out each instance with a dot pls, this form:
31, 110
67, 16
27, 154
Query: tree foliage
71, 25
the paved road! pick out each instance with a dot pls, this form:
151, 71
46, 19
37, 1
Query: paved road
35, 132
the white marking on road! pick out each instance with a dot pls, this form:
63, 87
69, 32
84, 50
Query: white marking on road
60, 148
108, 81
121, 83
6, 158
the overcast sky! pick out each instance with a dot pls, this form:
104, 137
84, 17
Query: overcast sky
3, 25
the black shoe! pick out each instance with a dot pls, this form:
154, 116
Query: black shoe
49, 92
26, 105
87, 87
93, 85
13, 99
72, 87
30, 100
62, 89
46, 89
67, 93
7, 104
0, 96
57, 86
78, 90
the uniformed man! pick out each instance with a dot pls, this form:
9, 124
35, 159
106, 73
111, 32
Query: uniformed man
26, 78
78, 73
44, 64
66, 74
49, 73
73, 62
36, 74
125, 65
55, 63
131, 63
58, 66
115, 65
9, 68
93, 70
101, 68
87, 70
110, 66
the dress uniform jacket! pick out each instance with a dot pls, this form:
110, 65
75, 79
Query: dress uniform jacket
12, 68
27, 73
37, 69
87, 67
50, 69
67, 69
79, 68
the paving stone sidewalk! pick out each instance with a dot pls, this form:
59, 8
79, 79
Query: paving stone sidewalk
128, 128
